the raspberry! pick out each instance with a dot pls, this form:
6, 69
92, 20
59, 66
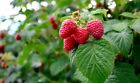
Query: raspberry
2, 35
69, 43
2, 47
18, 37
68, 28
81, 35
51, 19
54, 25
95, 28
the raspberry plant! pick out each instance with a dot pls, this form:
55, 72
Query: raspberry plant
110, 58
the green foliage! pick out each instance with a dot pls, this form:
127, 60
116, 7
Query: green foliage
80, 76
100, 11
123, 40
129, 15
123, 71
58, 66
94, 60
136, 52
135, 25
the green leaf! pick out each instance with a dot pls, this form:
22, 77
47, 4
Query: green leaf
58, 66
123, 40
116, 25
129, 15
95, 60
24, 55
120, 26
100, 11
108, 25
78, 75
114, 46
99, 17
136, 25
123, 73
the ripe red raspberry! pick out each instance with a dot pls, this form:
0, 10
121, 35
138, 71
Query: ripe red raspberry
81, 35
2, 35
51, 19
17, 37
2, 47
95, 28
54, 25
68, 28
69, 43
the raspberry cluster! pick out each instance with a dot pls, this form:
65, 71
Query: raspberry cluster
74, 35
53, 22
